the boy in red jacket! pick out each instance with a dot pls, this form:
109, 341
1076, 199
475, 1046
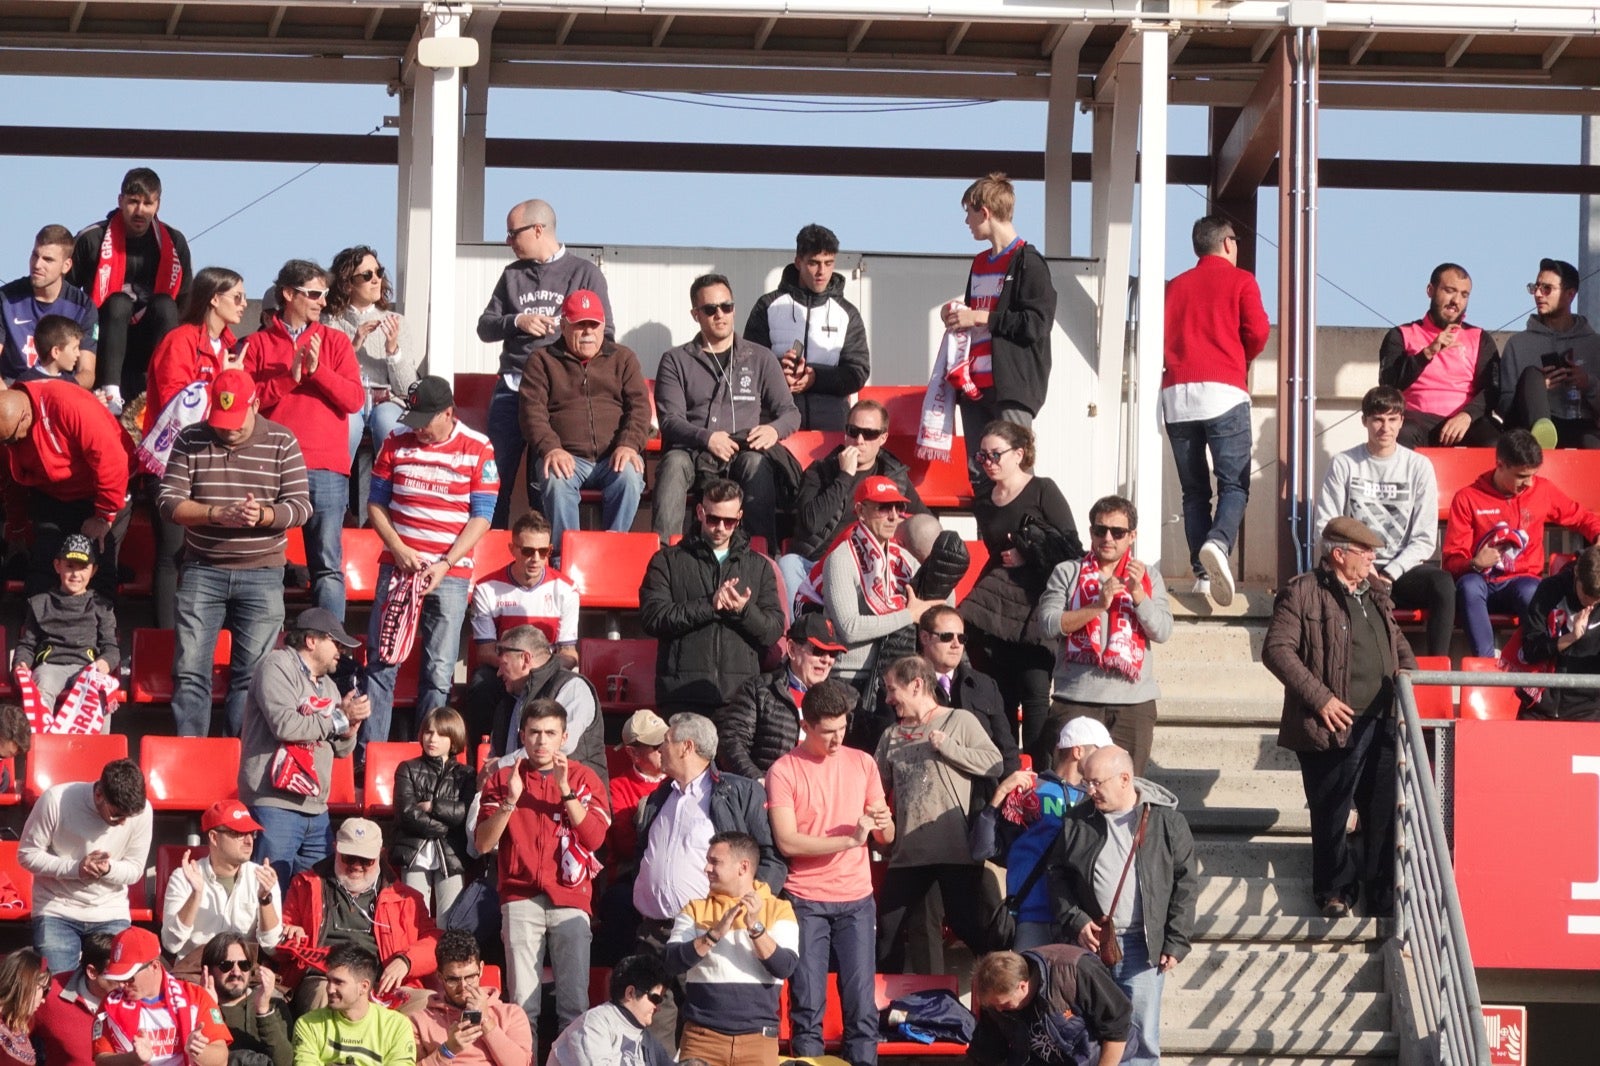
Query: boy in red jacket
1494, 541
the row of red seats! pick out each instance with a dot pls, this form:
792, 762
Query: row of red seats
1576, 471
1483, 703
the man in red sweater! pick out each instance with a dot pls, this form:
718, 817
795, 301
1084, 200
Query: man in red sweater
68, 462
309, 382
1215, 325
1494, 540
548, 817
63, 1029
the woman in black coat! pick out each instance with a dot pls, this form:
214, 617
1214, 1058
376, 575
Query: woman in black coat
431, 797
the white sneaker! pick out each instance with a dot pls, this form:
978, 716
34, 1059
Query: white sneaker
1202, 587
1215, 560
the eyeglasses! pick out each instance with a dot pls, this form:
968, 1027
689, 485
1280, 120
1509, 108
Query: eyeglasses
1542, 288
312, 294
993, 456
947, 636
535, 553
711, 310
357, 861
368, 275
461, 978
1114, 532
1091, 785
503, 650
657, 998
238, 834
894, 505
520, 230
238, 298
862, 433
722, 521
230, 965
1359, 549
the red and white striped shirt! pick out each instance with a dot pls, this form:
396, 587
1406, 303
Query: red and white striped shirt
984, 283
500, 604
432, 490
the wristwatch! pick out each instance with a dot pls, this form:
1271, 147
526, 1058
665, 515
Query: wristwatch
757, 930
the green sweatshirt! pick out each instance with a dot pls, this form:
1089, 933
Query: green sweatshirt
381, 1038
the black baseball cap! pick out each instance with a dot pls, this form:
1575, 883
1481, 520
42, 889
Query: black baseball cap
322, 620
428, 396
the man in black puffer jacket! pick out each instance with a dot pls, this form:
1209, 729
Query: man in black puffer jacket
762, 724
712, 605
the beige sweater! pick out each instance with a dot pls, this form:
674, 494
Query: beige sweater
61, 829
930, 789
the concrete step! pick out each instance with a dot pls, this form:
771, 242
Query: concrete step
1279, 1042
1285, 1010
1271, 801
1202, 676
1337, 970
1231, 895
1239, 748
1263, 929
1203, 706
1194, 638
1220, 856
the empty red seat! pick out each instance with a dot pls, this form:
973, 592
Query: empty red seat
294, 551
1456, 468
189, 773
942, 483
1489, 703
623, 672
492, 555
377, 800
888, 987
56, 760
342, 799
1576, 471
903, 402
809, 445
361, 548
1483, 664
978, 554
1434, 701
473, 392
607, 568
151, 665
21, 879
407, 680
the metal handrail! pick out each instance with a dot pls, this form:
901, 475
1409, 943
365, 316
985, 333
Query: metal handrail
1428, 918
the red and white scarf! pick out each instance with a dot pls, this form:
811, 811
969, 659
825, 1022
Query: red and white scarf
91, 698
952, 373
885, 571
111, 273
1121, 650
124, 1012
397, 628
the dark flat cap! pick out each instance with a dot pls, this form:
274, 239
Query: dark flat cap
1346, 530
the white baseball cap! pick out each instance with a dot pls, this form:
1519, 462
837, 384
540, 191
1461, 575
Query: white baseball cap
1081, 731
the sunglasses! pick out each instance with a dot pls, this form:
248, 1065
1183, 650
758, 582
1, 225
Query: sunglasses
230, 965
862, 433
311, 294
357, 861
1542, 288
993, 456
536, 553
722, 521
896, 506
1114, 532
657, 998
710, 310
368, 275
520, 230
946, 636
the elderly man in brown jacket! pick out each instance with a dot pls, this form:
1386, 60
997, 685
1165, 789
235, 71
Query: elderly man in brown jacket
1334, 645
585, 414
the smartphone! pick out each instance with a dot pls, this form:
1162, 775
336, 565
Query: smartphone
472, 1017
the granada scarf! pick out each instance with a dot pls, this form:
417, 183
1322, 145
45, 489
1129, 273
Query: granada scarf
952, 371
1115, 641
1511, 542
123, 1013
885, 572
397, 630
111, 274
93, 695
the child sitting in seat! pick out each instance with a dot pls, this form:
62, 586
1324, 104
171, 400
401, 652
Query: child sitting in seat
68, 628
55, 339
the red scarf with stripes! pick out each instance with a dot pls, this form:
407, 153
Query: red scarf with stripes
111, 273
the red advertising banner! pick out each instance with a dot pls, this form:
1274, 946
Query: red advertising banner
1527, 835
1507, 1031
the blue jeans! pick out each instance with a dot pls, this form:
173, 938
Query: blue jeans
852, 929
250, 604
444, 612
1477, 597
1141, 981
291, 840
330, 498
60, 940
1228, 438
505, 437
619, 493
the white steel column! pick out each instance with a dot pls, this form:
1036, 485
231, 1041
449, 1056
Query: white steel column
1059, 118
413, 271
1144, 405
444, 85
1589, 227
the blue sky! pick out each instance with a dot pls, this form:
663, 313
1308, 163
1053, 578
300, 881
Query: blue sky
1377, 246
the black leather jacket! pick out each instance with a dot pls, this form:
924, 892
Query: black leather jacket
449, 787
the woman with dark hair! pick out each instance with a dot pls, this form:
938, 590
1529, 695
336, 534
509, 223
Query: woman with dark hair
24, 981
197, 349
1013, 518
361, 304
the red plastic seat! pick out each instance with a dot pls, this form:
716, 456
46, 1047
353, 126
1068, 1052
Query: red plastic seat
7, 687
490, 978
904, 403
1577, 472
56, 760
607, 568
189, 773
407, 680
1559, 561
377, 796
978, 552
1456, 468
809, 445
473, 392
14, 797
360, 549
1434, 701
294, 552
888, 987
632, 662
492, 555
1483, 664
1489, 703
151, 665
342, 799
169, 857
941, 483
20, 878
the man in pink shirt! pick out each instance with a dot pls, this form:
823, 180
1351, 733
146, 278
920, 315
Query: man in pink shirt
825, 800
1444, 367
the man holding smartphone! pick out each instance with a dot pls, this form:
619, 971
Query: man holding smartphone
465, 1024
1550, 372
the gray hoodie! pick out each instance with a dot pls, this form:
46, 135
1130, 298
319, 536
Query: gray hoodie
1539, 345
698, 394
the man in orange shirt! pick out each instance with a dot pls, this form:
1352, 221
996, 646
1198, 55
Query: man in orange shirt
155, 1019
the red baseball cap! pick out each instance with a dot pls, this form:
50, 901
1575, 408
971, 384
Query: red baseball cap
231, 393
879, 489
583, 306
229, 814
132, 950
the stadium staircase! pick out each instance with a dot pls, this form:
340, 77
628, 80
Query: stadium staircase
1270, 982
